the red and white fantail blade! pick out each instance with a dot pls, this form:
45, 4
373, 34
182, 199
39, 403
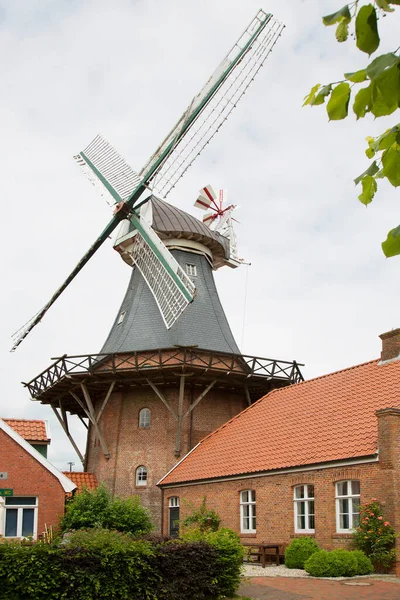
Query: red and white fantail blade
202, 202
209, 218
209, 193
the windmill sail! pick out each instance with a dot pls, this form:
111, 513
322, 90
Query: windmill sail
200, 122
172, 289
212, 106
107, 170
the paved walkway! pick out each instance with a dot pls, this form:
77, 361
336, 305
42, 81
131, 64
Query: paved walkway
280, 588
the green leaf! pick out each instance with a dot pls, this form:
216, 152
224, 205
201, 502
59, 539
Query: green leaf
357, 76
391, 164
320, 97
372, 169
380, 63
380, 107
337, 107
310, 97
384, 5
337, 16
390, 136
342, 30
391, 246
388, 84
367, 37
369, 187
370, 153
364, 100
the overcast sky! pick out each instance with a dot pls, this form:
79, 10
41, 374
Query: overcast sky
319, 289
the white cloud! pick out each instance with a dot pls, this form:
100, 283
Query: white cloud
319, 289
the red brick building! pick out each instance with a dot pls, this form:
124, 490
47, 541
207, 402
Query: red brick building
301, 459
38, 488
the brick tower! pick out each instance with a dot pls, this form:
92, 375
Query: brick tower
152, 393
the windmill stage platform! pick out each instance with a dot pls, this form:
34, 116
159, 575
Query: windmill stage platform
71, 381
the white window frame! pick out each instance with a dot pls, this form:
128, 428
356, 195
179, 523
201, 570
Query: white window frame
306, 499
248, 511
20, 508
141, 476
144, 418
191, 270
174, 502
353, 499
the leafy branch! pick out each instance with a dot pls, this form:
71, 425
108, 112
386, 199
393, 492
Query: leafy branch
380, 97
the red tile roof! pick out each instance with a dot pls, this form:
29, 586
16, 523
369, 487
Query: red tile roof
30, 430
324, 419
82, 480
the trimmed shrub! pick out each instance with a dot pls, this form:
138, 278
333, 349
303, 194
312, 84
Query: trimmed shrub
365, 566
298, 551
96, 508
98, 564
338, 563
185, 567
229, 558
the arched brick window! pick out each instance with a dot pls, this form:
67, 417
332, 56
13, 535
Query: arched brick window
144, 418
141, 476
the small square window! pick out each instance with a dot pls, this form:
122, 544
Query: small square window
191, 270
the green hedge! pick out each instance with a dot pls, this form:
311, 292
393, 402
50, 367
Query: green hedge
100, 564
338, 563
298, 551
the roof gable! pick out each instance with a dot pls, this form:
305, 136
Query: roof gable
326, 419
66, 483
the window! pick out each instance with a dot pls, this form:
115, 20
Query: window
304, 509
347, 505
141, 476
121, 317
248, 511
174, 517
144, 418
191, 270
20, 516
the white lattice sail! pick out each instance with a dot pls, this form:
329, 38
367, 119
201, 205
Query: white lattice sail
171, 297
100, 158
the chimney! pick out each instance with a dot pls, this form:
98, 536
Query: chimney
390, 345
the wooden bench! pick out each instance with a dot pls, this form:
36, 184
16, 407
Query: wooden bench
259, 550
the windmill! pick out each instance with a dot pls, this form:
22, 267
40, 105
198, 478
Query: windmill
172, 289
170, 371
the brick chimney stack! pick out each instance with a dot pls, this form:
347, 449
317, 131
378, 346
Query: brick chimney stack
390, 345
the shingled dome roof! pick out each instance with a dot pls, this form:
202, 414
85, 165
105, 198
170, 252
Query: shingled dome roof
172, 222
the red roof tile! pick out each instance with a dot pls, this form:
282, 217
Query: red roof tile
30, 430
82, 480
324, 419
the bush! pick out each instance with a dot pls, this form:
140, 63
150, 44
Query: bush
375, 536
338, 563
298, 551
96, 508
98, 564
229, 558
185, 567
205, 519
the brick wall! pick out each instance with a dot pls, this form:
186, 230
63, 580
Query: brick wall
154, 448
27, 477
274, 502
